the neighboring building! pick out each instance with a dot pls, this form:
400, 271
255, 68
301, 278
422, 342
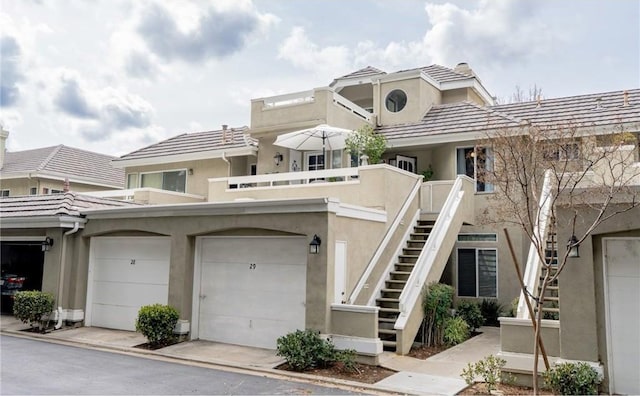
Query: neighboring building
250, 240
44, 171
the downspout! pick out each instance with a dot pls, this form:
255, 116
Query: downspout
224, 158
63, 255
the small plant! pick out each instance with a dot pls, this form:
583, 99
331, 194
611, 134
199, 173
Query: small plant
489, 369
156, 322
305, 349
513, 309
31, 306
368, 142
436, 303
491, 310
471, 313
427, 174
456, 331
572, 379
348, 359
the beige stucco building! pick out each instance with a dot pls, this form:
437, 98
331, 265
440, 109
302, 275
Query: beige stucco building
251, 240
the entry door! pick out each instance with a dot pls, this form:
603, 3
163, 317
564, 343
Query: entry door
252, 289
622, 279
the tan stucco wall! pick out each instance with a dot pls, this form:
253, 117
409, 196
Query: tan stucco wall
582, 311
420, 96
202, 170
518, 337
23, 186
356, 324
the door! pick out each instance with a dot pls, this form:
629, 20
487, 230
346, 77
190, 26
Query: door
252, 290
126, 273
22, 267
622, 294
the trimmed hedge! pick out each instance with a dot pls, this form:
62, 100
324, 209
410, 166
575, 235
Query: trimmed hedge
156, 322
31, 306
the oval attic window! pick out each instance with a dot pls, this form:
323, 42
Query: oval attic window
396, 100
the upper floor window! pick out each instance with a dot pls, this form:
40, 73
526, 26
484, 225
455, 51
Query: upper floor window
396, 100
169, 180
567, 151
477, 163
4, 193
54, 191
33, 191
132, 180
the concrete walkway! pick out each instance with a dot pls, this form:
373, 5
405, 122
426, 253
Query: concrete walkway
437, 375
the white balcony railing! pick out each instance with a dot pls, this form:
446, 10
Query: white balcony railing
348, 105
294, 98
292, 178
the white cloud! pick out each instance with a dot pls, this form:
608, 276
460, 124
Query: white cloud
303, 53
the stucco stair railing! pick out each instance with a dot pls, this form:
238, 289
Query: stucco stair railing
429, 265
389, 300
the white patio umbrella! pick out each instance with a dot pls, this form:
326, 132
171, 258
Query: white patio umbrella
322, 137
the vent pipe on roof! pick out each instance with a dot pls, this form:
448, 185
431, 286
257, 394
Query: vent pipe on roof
224, 133
539, 101
598, 103
625, 99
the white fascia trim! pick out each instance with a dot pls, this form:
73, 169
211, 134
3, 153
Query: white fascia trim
405, 75
307, 205
434, 139
42, 222
527, 322
363, 346
23, 238
471, 82
356, 212
355, 308
58, 177
201, 155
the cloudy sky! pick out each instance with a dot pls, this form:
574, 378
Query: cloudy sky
114, 75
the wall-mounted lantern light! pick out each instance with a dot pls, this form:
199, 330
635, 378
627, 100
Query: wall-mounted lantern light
573, 246
277, 159
46, 244
314, 245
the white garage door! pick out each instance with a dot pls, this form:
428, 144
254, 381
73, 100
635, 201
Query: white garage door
252, 289
623, 287
126, 273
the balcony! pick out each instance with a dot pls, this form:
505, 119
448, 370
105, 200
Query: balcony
379, 187
148, 196
317, 106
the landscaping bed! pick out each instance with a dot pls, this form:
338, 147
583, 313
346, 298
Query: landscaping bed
364, 373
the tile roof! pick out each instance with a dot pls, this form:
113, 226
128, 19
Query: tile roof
77, 164
582, 110
195, 142
65, 204
439, 73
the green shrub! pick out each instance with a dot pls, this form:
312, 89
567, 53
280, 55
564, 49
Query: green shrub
491, 310
436, 303
156, 322
31, 306
470, 312
572, 379
489, 369
456, 330
513, 309
305, 349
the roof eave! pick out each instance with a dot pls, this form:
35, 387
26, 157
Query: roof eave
63, 221
471, 82
201, 155
59, 177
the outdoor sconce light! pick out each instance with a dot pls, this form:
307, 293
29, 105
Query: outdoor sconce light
573, 246
314, 245
46, 244
277, 158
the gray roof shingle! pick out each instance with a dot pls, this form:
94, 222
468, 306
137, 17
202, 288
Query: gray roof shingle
65, 161
580, 111
194, 142
441, 74
65, 204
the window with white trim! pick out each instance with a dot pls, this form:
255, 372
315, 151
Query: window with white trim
477, 163
54, 191
4, 193
479, 237
477, 272
168, 180
132, 180
33, 191
564, 152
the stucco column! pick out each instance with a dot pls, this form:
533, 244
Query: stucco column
181, 274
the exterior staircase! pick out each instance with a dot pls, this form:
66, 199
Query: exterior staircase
389, 301
550, 307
